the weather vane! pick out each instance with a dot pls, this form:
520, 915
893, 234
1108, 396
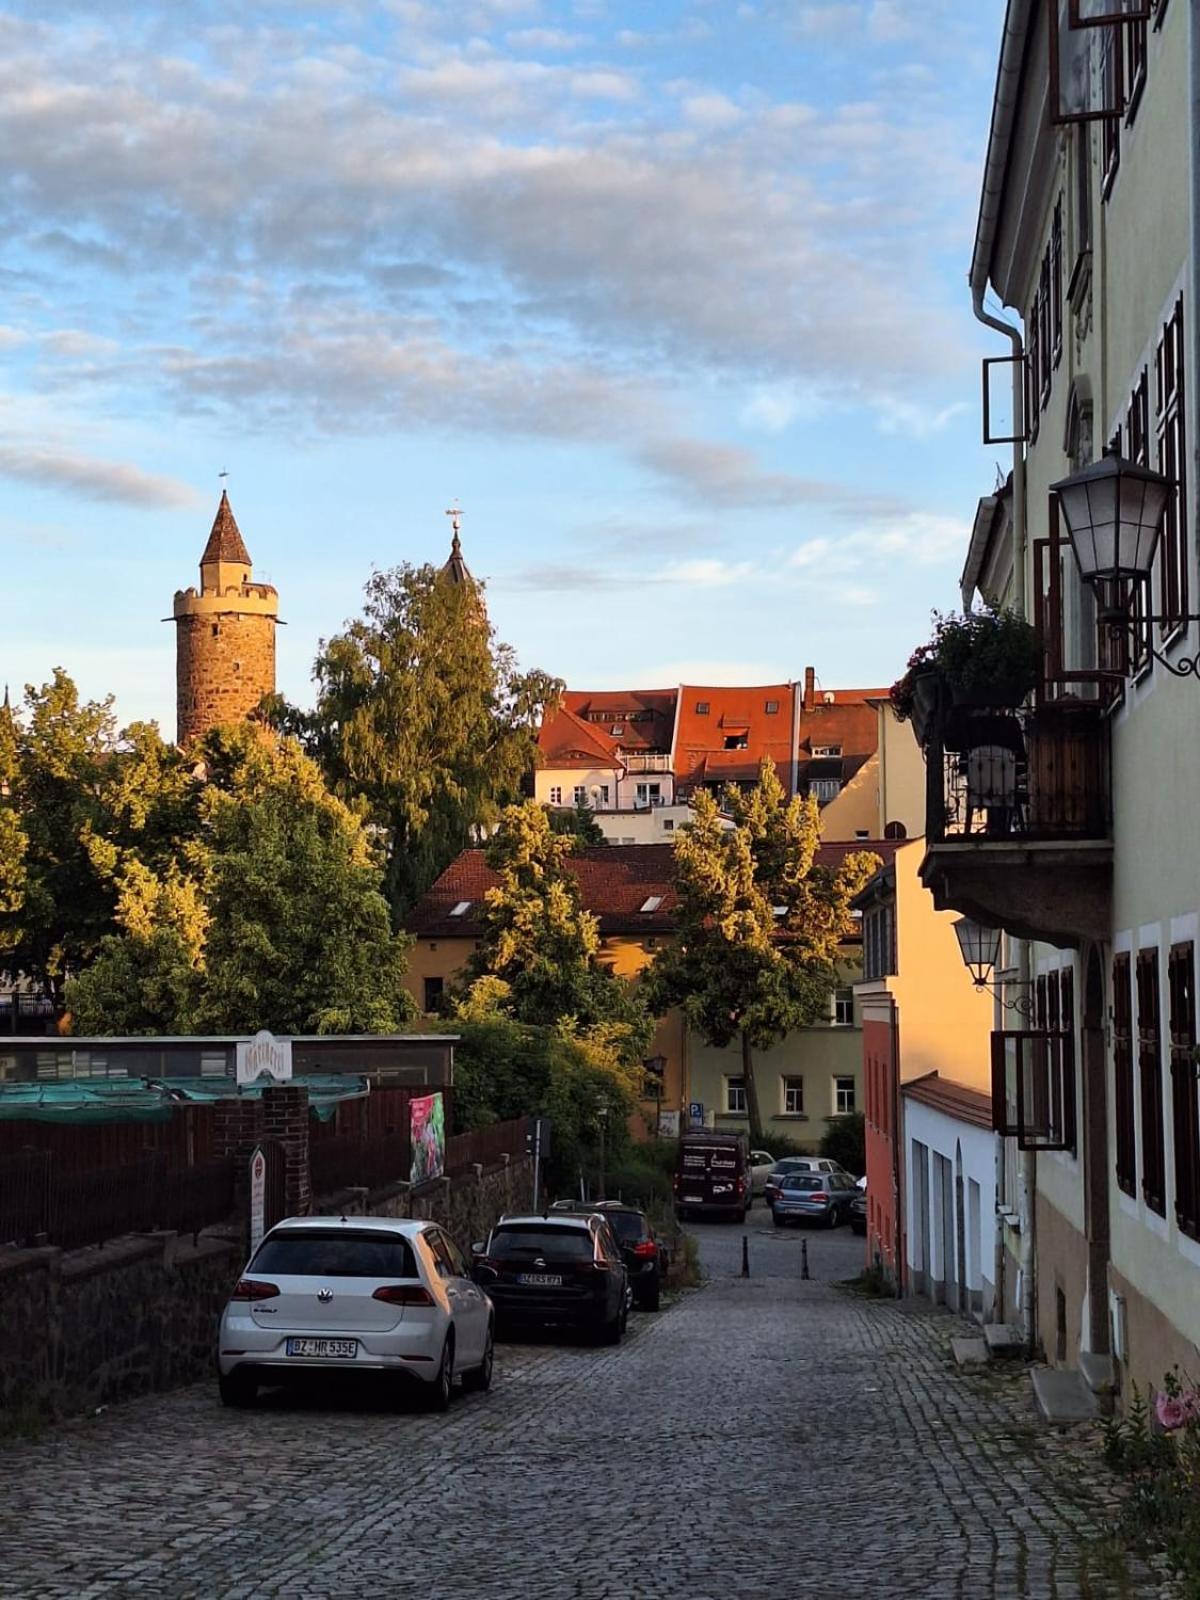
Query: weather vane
454, 512
223, 474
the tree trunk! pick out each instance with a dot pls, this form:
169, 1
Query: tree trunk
756, 1132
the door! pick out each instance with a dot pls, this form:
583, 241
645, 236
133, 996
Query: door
468, 1304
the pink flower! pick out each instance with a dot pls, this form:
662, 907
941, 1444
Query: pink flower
1172, 1413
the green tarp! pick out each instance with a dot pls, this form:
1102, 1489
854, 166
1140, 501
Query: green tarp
98, 1100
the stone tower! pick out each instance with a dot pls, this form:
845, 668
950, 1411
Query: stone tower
224, 635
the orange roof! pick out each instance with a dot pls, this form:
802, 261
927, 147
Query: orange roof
566, 740
646, 717
953, 1099
732, 714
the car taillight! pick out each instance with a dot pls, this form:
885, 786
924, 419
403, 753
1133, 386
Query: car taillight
646, 1249
404, 1294
253, 1289
818, 1194
741, 1185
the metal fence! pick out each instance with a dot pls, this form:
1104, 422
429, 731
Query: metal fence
40, 1201
487, 1146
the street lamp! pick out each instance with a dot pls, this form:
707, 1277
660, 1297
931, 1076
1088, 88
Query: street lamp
980, 949
1114, 513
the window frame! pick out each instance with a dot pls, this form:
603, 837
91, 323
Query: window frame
840, 1080
1124, 1079
556, 794
1170, 431
792, 1084
1185, 1094
735, 1085
1150, 1080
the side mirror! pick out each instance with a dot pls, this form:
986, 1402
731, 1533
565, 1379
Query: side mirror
478, 1249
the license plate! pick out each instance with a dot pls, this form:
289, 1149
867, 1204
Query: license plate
692, 1200
340, 1349
541, 1280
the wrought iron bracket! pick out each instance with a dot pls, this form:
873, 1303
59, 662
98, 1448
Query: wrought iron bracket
1022, 1005
1184, 667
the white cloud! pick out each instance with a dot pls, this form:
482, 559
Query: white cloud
47, 467
920, 421
709, 573
546, 39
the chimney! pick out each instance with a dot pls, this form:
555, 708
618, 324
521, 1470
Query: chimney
810, 687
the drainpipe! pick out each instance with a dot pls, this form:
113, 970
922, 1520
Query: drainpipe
1027, 1206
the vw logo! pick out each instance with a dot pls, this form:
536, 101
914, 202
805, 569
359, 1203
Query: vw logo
540, 1262
324, 1296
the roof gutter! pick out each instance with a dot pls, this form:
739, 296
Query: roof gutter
1017, 21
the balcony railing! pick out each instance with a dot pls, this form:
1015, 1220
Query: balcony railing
1038, 773
646, 763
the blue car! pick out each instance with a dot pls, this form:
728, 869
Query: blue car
826, 1197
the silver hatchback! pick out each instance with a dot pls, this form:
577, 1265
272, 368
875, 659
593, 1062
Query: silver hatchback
355, 1295
826, 1197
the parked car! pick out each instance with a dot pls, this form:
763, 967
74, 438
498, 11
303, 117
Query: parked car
712, 1176
563, 1269
761, 1163
646, 1256
359, 1295
858, 1211
788, 1164
813, 1197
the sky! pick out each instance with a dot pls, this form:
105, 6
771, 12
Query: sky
669, 295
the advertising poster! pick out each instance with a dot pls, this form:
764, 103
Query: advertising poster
427, 1127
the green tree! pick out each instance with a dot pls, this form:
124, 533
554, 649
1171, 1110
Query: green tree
269, 914
578, 824
423, 720
541, 945
760, 923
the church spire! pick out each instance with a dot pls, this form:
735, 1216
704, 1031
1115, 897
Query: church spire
225, 542
456, 569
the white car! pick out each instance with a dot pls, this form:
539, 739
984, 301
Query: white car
357, 1294
761, 1162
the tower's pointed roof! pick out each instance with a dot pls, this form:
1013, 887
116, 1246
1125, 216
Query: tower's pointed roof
456, 569
225, 542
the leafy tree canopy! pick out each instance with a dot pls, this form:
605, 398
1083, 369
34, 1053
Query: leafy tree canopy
541, 947
423, 720
578, 824
760, 922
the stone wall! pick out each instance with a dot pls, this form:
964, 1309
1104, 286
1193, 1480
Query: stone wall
223, 667
83, 1328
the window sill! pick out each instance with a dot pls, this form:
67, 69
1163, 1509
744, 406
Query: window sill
790, 1116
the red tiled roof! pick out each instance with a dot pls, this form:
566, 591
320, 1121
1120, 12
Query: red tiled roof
225, 542
954, 1099
566, 740
646, 716
699, 736
615, 881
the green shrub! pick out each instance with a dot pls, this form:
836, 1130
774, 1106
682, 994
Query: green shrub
845, 1141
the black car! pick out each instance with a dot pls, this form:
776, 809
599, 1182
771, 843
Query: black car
858, 1213
645, 1254
555, 1271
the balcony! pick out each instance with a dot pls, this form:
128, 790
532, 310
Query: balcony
1018, 819
646, 763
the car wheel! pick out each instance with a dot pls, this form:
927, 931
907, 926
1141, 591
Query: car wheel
479, 1379
442, 1387
237, 1389
833, 1218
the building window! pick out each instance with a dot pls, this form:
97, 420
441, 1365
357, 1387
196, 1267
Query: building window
434, 989
668, 825
1083, 196
1150, 1082
556, 795
1123, 1075
842, 1007
1033, 369
772, 708
1135, 65
735, 741
825, 751
1137, 429
793, 1097
879, 942
1056, 285
580, 794
1172, 460
701, 708
648, 794
1044, 333
1111, 74
825, 789
735, 1097
895, 830
1185, 1104
843, 1096
604, 791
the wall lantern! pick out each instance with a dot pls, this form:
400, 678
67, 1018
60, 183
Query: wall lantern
1114, 513
980, 949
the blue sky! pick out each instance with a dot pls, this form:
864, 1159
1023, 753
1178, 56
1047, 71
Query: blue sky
671, 296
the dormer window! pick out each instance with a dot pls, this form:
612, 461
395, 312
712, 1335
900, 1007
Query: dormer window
825, 751
772, 708
618, 733
735, 741
702, 708
461, 909
651, 903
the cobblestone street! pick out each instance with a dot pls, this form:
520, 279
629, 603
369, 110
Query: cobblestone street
763, 1436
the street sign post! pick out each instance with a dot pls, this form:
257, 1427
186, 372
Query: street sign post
696, 1113
258, 1198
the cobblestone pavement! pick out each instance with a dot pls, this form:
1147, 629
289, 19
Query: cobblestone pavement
762, 1436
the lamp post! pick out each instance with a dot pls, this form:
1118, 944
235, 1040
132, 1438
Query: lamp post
980, 948
1114, 512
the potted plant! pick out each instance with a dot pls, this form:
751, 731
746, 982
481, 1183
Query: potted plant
914, 696
988, 658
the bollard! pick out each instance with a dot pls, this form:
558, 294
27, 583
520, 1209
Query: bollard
804, 1258
745, 1255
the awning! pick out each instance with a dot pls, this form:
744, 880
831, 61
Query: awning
105, 1100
